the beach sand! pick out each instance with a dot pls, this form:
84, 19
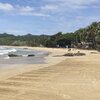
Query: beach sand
61, 78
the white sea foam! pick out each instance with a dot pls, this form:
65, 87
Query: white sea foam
7, 57
23, 59
4, 51
25, 55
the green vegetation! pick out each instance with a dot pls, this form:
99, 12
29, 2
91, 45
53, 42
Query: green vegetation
88, 38
25, 40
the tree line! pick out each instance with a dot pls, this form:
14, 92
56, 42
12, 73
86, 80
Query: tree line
88, 37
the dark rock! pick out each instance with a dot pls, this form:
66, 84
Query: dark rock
14, 55
31, 55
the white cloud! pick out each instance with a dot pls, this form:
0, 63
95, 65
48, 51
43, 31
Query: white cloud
40, 14
20, 10
88, 19
70, 4
49, 7
6, 7
25, 9
32, 14
82, 21
29, 11
81, 2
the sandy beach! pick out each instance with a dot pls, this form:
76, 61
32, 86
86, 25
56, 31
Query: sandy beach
60, 78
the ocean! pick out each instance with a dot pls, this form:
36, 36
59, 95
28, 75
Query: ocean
22, 58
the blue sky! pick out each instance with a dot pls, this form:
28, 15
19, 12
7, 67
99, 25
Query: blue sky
47, 16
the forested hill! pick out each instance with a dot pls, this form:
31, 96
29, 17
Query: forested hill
88, 37
25, 40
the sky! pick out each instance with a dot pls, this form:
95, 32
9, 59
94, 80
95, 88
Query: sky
37, 17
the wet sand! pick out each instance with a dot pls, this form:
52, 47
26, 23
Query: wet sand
62, 78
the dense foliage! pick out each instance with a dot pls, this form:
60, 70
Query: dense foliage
25, 40
88, 37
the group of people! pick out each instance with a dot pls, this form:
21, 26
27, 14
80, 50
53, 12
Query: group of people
70, 48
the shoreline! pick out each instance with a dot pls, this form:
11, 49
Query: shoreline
15, 69
61, 78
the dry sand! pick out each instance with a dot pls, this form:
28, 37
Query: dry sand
61, 78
